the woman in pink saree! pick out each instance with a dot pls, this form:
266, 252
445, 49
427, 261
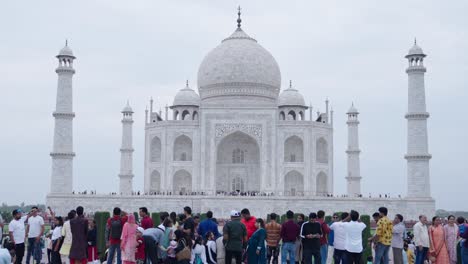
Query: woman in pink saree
438, 249
451, 236
129, 242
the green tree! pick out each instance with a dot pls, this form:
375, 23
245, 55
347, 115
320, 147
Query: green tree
101, 222
366, 234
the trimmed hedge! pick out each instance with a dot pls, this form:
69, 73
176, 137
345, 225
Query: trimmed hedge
101, 222
156, 219
366, 234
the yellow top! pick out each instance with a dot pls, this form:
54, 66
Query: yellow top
384, 231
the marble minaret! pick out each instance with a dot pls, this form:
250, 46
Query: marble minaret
353, 177
417, 154
126, 152
62, 153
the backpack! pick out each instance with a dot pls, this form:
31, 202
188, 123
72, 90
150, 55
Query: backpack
115, 228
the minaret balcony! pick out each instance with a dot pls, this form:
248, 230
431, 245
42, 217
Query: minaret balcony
417, 115
418, 156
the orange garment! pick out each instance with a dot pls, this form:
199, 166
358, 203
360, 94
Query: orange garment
273, 234
249, 225
438, 247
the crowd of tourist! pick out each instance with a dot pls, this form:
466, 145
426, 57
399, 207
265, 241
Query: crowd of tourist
185, 239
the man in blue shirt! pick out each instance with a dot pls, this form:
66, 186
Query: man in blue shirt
208, 225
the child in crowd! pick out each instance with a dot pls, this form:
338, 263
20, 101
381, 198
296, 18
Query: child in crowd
140, 252
370, 259
92, 245
211, 256
171, 255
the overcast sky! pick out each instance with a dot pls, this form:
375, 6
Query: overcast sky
344, 50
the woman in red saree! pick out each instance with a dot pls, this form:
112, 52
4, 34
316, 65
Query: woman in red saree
438, 251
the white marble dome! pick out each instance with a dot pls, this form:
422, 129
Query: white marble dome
66, 51
186, 96
415, 50
239, 66
291, 97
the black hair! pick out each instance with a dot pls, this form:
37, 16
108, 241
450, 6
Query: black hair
144, 210
188, 210
209, 214
399, 217
312, 215
273, 216
289, 214
196, 217
117, 211
181, 217
163, 216
60, 220
344, 215
35, 207
434, 218
450, 216
208, 234
173, 217
80, 210
376, 215
167, 222
354, 215
70, 215
383, 210
261, 222
460, 220
320, 214
198, 241
245, 211
301, 215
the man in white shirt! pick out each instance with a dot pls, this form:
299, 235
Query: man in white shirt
421, 239
34, 232
398, 232
353, 244
17, 233
339, 239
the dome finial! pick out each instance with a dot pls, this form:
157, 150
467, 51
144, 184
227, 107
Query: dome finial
290, 84
239, 20
66, 42
186, 83
414, 40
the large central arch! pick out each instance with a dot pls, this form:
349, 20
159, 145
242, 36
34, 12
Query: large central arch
238, 163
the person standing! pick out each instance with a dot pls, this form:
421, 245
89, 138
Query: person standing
256, 252
451, 236
129, 243
198, 255
66, 239
339, 239
311, 232
234, 238
464, 252
189, 223
79, 229
249, 222
299, 249
146, 221
289, 234
92, 242
183, 250
220, 250
438, 249
421, 239
17, 233
383, 237
324, 237
398, 232
353, 244
56, 234
34, 232
331, 239
273, 237
113, 234
208, 225
211, 252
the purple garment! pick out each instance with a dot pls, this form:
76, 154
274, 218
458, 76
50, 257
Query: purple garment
290, 231
451, 234
79, 230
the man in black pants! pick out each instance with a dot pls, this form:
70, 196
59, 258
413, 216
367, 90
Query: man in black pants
234, 238
151, 238
311, 232
17, 234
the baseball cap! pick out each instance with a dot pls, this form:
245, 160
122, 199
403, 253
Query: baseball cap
16, 211
234, 213
140, 229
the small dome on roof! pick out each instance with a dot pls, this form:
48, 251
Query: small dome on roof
291, 97
127, 108
352, 110
66, 51
186, 96
415, 50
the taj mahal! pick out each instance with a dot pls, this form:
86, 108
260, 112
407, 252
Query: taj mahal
239, 140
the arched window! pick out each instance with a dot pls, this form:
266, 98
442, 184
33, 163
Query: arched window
155, 150
185, 115
321, 184
293, 149
183, 145
294, 183
237, 185
291, 115
238, 156
155, 181
182, 182
282, 116
176, 115
195, 115
301, 116
322, 150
